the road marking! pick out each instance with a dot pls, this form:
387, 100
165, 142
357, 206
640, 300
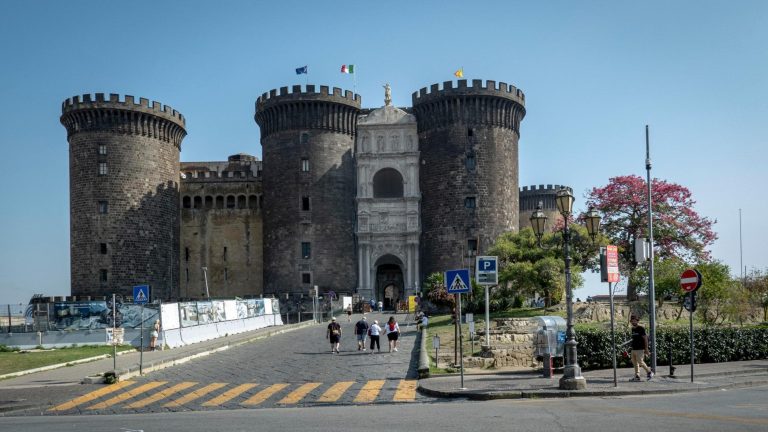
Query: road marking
369, 391
695, 416
197, 394
264, 394
230, 394
162, 394
406, 391
92, 396
298, 394
334, 393
132, 393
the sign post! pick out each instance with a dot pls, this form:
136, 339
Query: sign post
609, 272
690, 281
487, 274
141, 296
457, 282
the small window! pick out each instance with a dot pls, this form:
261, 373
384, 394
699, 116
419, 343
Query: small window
306, 250
103, 277
187, 202
226, 274
470, 132
186, 272
102, 168
471, 163
305, 203
224, 254
305, 138
186, 255
306, 278
103, 248
469, 202
305, 165
103, 207
103, 149
472, 247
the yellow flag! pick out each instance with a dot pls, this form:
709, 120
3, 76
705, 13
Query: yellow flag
459, 73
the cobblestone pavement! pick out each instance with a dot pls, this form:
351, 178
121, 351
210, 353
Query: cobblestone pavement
291, 369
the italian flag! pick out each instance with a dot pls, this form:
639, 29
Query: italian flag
348, 69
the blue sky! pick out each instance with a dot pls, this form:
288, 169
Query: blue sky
594, 74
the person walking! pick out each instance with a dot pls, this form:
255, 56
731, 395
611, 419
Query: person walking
153, 336
349, 313
639, 349
392, 330
334, 335
380, 304
361, 331
374, 332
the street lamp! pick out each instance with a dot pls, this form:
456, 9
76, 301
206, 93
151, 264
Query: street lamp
572, 378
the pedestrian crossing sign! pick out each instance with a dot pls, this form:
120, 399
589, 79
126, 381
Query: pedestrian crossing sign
457, 281
141, 294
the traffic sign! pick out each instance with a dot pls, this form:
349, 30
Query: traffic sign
486, 270
141, 294
689, 303
457, 281
690, 280
612, 263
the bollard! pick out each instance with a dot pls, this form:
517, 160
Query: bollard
671, 367
547, 362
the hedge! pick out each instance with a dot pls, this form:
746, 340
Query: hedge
711, 345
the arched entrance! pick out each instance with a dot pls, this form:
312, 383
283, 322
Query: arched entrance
389, 281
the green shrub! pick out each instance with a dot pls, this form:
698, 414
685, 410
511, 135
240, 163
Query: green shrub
711, 345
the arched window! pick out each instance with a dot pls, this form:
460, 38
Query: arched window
230, 202
219, 202
241, 201
187, 202
208, 202
388, 183
198, 202
253, 202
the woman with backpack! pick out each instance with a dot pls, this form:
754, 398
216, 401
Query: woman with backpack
393, 332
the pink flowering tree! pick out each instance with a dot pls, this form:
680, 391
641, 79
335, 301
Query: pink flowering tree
678, 231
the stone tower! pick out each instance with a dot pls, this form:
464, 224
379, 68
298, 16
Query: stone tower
124, 194
307, 140
468, 138
531, 196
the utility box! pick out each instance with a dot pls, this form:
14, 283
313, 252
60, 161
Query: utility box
550, 340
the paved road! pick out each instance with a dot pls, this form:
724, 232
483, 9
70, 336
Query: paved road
291, 369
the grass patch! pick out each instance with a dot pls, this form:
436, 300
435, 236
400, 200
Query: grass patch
18, 361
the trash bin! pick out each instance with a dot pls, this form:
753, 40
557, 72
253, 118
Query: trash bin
550, 340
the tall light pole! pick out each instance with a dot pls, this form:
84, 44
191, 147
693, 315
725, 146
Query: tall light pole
651, 286
572, 378
205, 276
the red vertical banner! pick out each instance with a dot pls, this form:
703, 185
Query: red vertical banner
612, 258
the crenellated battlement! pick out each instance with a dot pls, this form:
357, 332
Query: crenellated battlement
96, 101
478, 88
310, 93
88, 113
531, 196
327, 109
540, 189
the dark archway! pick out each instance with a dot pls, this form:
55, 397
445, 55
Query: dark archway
388, 183
389, 281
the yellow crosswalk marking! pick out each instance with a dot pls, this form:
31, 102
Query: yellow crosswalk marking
334, 393
162, 394
230, 394
369, 391
264, 394
132, 393
298, 394
92, 396
406, 391
197, 394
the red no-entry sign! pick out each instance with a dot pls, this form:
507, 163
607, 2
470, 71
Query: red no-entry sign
690, 280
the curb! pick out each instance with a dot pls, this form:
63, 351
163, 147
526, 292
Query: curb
423, 369
133, 371
551, 394
60, 365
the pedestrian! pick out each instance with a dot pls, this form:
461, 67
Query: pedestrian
380, 304
349, 313
373, 304
639, 349
334, 335
153, 336
424, 321
392, 330
361, 330
374, 332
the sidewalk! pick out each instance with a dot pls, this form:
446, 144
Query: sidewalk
525, 384
128, 364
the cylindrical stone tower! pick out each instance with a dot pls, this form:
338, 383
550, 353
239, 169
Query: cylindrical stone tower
307, 140
468, 137
124, 194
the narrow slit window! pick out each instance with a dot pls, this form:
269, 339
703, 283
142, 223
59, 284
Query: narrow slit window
102, 168
470, 202
305, 165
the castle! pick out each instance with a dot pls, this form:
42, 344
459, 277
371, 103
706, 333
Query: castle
349, 199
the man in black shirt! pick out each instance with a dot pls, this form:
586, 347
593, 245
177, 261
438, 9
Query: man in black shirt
334, 335
639, 349
361, 330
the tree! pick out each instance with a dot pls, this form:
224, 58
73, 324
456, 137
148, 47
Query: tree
756, 284
678, 231
717, 292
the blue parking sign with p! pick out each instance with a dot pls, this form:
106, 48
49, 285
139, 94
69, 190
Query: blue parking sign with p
486, 270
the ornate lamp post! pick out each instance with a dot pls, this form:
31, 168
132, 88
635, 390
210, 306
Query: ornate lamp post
572, 378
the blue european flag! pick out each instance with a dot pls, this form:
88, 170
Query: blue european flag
301, 70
